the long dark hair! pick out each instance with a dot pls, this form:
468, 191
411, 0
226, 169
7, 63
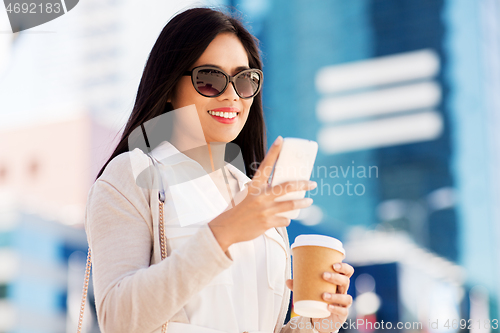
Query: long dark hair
181, 42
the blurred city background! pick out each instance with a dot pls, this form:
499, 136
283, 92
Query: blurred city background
401, 95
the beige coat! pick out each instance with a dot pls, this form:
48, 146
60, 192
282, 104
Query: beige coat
131, 282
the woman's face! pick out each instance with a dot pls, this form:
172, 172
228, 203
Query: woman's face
226, 52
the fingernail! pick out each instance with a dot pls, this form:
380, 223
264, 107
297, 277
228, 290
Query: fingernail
331, 307
328, 296
327, 275
308, 201
313, 184
337, 266
278, 140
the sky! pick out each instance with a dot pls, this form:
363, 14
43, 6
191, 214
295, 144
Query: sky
41, 72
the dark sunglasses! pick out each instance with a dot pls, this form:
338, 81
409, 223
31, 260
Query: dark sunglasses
210, 81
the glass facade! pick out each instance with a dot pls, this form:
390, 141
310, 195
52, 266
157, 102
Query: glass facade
301, 38
441, 189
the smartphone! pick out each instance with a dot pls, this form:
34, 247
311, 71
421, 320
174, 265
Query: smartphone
295, 162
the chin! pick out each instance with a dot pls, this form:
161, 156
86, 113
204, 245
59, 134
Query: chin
225, 138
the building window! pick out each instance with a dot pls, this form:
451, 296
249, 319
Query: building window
3, 291
3, 173
33, 168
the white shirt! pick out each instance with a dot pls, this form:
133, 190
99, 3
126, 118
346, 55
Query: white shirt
245, 297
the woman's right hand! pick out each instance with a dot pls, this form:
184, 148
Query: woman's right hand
255, 210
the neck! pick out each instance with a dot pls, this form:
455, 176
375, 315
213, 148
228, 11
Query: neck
216, 152
210, 155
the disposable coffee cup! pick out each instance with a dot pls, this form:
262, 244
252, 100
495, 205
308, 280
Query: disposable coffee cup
313, 255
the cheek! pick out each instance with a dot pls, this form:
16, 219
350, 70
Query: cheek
247, 104
184, 94
245, 119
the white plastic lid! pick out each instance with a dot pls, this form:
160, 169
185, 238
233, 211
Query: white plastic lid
311, 309
319, 240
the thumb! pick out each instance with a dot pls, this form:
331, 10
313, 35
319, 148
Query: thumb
289, 284
264, 171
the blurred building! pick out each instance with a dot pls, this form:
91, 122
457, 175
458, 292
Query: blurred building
408, 90
62, 67
46, 171
42, 269
89, 59
53, 165
402, 96
66, 89
396, 281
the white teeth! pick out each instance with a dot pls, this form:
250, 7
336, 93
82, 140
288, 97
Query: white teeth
228, 115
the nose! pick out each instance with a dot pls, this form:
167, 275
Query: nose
230, 93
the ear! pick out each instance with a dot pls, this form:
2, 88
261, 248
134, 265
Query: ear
169, 97
169, 106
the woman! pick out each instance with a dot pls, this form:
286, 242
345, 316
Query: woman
228, 251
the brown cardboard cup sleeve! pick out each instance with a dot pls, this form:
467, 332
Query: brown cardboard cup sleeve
312, 255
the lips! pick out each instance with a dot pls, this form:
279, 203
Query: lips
227, 109
225, 115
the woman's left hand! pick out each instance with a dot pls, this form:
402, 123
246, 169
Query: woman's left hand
339, 302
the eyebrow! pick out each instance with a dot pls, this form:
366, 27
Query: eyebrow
238, 69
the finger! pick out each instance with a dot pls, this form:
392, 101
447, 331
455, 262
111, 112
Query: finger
264, 171
338, 310
344, 300
343, 268
289, 284
285, 206
340, 280
291, 186
342, 289
280, 221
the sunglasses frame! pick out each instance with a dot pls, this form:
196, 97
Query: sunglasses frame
229, 79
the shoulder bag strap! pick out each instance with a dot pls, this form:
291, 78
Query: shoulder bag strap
163, 247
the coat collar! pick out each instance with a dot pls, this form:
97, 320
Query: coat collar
242, 178
166, 153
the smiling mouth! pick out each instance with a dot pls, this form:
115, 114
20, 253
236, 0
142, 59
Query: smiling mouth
223, 114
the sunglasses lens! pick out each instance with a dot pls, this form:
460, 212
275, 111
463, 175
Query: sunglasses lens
210, 82
247, 83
